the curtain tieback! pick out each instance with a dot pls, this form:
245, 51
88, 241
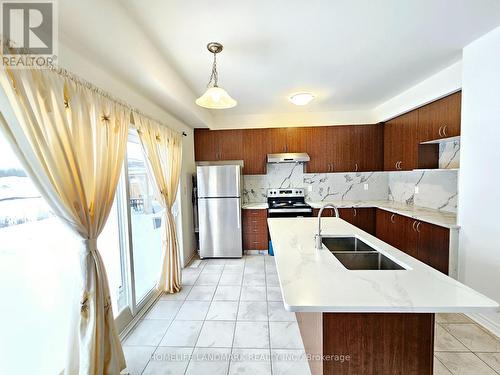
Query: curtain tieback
90, 245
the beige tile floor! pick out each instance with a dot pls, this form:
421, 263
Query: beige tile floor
229, 319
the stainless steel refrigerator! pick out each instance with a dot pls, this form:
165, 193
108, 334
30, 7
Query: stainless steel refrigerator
219, 211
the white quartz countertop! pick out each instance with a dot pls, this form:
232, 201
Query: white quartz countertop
315, 280
254, 206
429, 215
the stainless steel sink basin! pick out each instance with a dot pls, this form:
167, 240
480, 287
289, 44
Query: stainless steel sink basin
345, 244
355, 254
366, 261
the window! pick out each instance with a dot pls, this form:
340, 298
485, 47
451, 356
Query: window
146, 215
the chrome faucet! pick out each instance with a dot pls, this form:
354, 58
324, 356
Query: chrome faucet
318, 238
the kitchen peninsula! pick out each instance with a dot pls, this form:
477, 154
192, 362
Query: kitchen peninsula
382, 320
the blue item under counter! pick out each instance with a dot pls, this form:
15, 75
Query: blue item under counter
270, 251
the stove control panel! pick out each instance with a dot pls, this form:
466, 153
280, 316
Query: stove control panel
275, 193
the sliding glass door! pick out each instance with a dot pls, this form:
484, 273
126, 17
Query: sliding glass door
146, 221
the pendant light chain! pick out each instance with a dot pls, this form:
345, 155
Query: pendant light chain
214, 77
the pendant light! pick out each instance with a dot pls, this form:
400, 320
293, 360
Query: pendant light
215, 97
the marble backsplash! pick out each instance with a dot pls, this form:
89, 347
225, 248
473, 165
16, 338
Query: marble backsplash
432, 189
285, 175
436, 189
346, 186
449, 154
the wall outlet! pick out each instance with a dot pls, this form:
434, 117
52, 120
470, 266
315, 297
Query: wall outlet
309, 188
416, 189
365, 186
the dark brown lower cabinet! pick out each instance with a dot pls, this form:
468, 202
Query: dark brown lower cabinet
363, 218
368, 343
255, 234
393, 229
427, 242
433, 245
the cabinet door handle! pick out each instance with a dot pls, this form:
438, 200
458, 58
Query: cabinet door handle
414, 223
355, 213
400, 167
418, 227
328, 167
396, 165
444, 131
440, 131
356, 167
392, 218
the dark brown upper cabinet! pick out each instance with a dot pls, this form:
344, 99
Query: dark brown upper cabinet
318, 146
403, 135
212, 145
440, 119
205, 145
367, 145
351, 148
401, 143
254, 151
282, 140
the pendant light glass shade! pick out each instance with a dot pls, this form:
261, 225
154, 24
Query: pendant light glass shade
216, 98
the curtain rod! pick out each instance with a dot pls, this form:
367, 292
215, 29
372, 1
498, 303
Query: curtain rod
72, 76
66, 73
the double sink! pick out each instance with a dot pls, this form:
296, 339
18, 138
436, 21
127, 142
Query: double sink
355, 254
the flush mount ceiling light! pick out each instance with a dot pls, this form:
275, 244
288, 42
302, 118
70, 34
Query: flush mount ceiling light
301, 98
215, 97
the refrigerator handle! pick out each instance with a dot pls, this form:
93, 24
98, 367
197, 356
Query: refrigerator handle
238, 213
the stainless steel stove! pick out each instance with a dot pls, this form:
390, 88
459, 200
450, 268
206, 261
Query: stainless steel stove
287, 203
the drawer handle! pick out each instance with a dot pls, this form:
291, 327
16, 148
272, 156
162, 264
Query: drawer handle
418, 226
440, 131
392, 218
355, 213
414, 223
444, 131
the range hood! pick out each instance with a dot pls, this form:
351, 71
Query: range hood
291, 157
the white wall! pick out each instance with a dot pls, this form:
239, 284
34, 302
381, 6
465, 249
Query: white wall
479, 203
103, 78
436, 86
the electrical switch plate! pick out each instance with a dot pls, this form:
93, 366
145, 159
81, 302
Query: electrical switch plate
309, 188
416, 189
365, 186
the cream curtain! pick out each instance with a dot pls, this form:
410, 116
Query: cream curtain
72, 141
163, 149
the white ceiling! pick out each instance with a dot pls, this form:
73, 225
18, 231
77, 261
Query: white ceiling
353, 55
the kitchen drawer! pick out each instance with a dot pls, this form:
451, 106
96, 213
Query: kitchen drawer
255, 241
255, 235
